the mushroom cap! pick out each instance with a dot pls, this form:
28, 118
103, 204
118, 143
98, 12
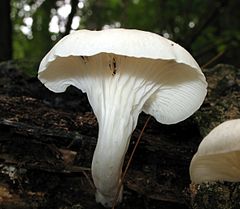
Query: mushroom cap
218, 155
126, 42
181, 84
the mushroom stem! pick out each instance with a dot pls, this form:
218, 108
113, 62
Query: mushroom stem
119, 190
115, 129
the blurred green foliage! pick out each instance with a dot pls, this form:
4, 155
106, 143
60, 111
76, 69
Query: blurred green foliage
205, 28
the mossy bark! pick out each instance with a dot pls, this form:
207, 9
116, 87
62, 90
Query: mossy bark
222, 103
223, 99
216, 195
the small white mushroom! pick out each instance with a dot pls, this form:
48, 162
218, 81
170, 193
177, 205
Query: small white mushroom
124, 72
218, 155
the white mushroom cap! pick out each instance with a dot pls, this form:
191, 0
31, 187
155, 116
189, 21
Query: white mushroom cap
124, 72
218, 155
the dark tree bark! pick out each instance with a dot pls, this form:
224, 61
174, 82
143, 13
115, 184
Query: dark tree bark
74, 4
5, 30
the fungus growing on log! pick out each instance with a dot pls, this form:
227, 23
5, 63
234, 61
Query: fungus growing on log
218, 155
124, 72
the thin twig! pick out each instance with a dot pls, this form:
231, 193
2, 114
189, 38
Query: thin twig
213, 59
128, 163
88, 179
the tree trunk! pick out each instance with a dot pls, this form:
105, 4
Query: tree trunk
74, 4
6, 30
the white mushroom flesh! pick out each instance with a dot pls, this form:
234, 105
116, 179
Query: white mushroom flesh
218, 155
120, 82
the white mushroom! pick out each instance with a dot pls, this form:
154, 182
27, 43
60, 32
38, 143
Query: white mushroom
124, 72
218, 155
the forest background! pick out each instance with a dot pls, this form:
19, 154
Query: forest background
210, 30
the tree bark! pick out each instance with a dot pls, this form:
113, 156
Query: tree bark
6, 30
